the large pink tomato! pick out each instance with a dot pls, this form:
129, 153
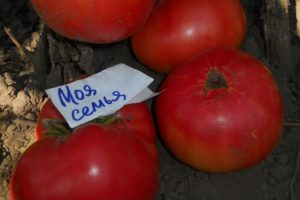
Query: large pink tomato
136, 117
112, 158
96, 21
179, 29
220, 111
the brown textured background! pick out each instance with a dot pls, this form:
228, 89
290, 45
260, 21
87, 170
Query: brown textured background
50, 60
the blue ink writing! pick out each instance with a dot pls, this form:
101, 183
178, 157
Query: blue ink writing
118, 95
79, 114
67, 96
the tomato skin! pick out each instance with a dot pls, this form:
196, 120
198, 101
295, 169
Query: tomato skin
95, 21
177, 30
113, 161
48, 111
94, 162
221, 129
134, 117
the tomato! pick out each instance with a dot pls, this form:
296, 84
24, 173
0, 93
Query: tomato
177, 30
220, 111
95, 21
116, 160
48, 111
136, 117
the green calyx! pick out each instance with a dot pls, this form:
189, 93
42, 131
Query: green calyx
59, 127
56, 127
215, 80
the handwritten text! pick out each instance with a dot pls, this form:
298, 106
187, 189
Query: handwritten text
66, 96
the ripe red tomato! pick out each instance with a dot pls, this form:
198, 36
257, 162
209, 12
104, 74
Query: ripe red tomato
116, 161
220, 111
136, 117
101, 21
177, 30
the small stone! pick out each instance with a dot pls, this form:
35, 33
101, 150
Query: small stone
11, 128
21, 104
8, 79
30, 116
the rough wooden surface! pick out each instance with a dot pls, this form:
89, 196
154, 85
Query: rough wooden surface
297, 8
277, 32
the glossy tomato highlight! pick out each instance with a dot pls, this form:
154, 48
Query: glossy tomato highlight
177, 30
220, 111
95, 21
111, 158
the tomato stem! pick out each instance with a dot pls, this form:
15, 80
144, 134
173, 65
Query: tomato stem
215, 80
59, 127
56, 127
109, 119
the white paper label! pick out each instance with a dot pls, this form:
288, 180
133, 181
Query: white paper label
100, 94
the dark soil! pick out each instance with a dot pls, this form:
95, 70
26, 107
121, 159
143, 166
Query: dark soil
45, 59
